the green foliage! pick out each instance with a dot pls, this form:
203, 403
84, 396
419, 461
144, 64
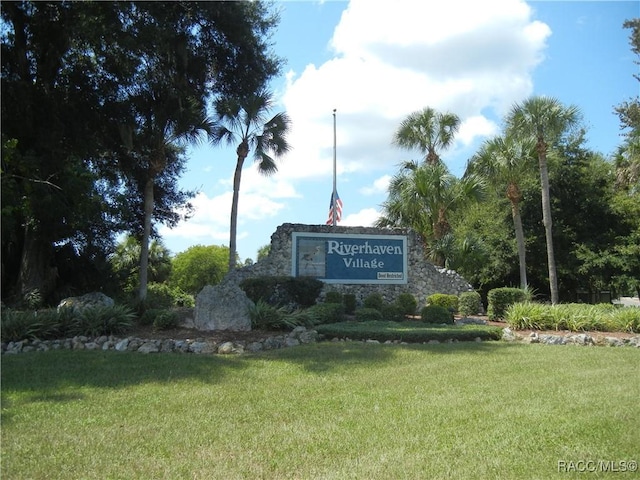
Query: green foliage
407, 303
575, 317
293, 292
149, 316
436, 314
161, 295
333, 297
367, 314
32, 299
408, 331
268, 317
101, 320
373, 300
499, 299
349, 303
50, 324
393, 312
450, 302
166, 320
469, 303
199, 266
125, 263
319, 314
263, 252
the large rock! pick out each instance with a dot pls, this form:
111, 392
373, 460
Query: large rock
222, 307
90, 300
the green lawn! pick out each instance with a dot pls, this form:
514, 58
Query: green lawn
322, 411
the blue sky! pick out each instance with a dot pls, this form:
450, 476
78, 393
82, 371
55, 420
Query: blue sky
375, 62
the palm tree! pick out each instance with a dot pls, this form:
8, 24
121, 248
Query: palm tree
423, 196
243, 122
505, 161
428, 131
544, 119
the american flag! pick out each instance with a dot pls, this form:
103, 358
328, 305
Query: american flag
337, 204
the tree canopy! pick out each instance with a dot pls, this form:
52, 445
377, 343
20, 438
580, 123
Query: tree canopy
99, 100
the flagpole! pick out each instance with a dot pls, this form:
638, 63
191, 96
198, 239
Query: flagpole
334, 194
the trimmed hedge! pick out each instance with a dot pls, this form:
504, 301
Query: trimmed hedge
283, 291
436, 314
450, 302
469, 303
349, 303
366, 314
499, 300
407, 303
408, 331
374, 300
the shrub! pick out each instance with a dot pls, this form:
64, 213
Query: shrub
283, 291
444, 300
319, 314
572, 316
333, 297
101, 320
407, 303
436, 314
349, 303
165, 320
367, 314
159, 295
267, 317
499, 300
374, 300
469, 303
149, 316
18, 325
409, 331
392, 313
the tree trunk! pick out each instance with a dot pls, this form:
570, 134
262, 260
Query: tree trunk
515, 196
242, 154
546, 219
517, 225
36, 272
144, 244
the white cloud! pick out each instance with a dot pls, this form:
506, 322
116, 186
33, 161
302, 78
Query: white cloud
468, 57
363, 218
379, 186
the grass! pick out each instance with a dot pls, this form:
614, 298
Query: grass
321, 411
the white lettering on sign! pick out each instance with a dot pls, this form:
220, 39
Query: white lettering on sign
360, 263
345, 249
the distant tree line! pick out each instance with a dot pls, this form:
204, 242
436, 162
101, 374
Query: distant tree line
535, 207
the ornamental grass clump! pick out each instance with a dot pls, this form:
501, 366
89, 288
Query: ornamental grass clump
575, 317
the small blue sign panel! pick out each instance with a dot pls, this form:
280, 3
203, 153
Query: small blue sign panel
342, 258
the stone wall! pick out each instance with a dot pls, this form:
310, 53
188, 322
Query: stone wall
424, 278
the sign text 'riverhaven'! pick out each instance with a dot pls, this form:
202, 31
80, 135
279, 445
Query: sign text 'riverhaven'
342, 258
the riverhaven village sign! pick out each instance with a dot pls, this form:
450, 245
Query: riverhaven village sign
350, 258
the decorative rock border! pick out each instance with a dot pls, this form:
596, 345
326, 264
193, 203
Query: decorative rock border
298, 336
572, 338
